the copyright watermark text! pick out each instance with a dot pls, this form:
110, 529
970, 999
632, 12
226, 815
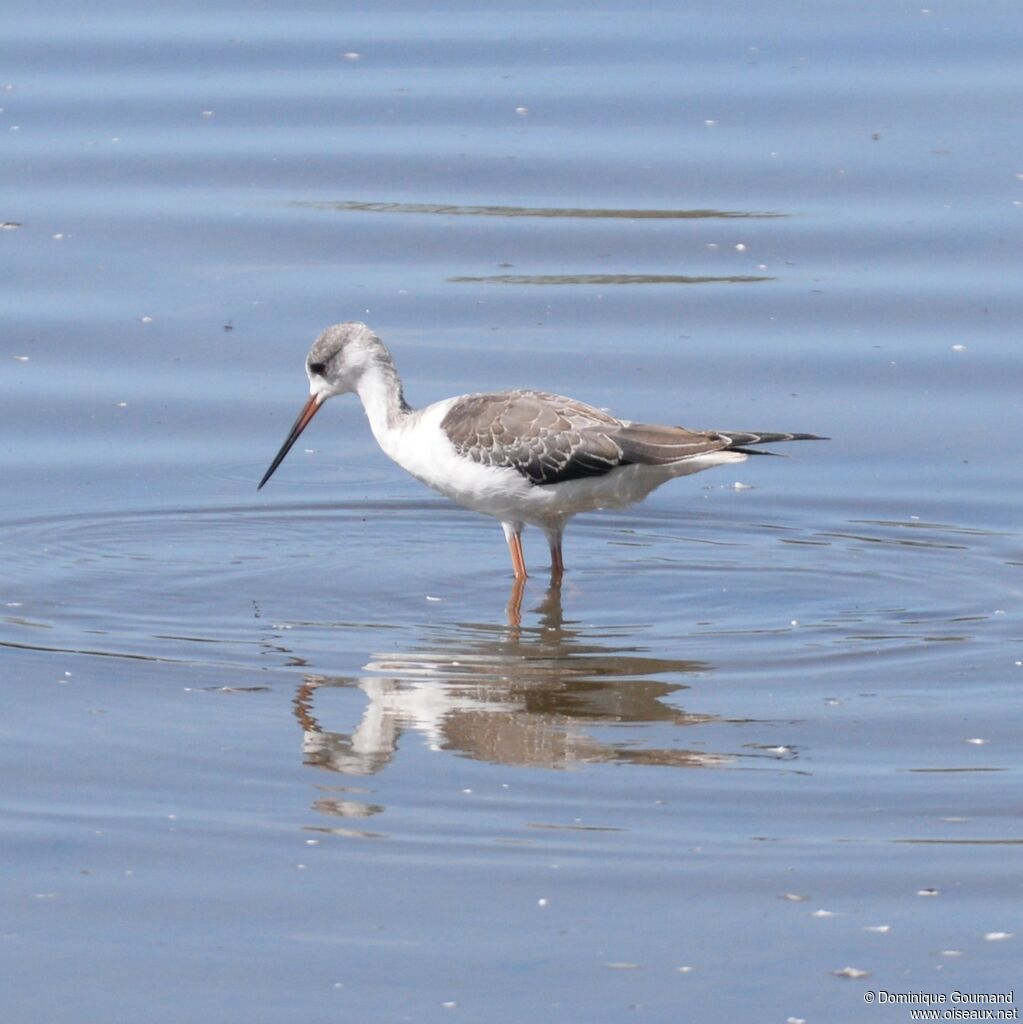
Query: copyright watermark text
954, 1005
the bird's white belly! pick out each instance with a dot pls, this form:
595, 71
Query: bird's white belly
425, 451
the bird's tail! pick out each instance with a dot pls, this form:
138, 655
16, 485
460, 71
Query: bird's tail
740, 440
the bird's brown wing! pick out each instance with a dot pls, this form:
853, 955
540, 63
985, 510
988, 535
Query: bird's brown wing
652, 445
550, 439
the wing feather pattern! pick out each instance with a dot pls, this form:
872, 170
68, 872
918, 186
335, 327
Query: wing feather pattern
546, 438
550, 439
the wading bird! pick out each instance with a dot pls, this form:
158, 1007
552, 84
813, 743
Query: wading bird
524, 457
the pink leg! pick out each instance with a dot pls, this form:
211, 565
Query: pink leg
557, 562
515, 547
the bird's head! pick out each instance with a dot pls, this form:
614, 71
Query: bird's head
335, 364
339, 357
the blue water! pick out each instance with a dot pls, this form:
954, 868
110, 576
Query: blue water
284, 755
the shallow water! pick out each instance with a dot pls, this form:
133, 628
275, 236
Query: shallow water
285, 754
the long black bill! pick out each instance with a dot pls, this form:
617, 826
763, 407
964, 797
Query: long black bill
309, 410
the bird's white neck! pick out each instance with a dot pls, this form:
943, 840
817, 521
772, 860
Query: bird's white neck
379, 390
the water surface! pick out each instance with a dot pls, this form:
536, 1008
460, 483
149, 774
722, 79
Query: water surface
285, 755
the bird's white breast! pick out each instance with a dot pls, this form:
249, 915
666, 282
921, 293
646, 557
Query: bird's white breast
422, 448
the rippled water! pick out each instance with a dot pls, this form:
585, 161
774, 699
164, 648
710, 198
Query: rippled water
289, 754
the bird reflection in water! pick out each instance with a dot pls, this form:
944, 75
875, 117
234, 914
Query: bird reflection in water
511, 695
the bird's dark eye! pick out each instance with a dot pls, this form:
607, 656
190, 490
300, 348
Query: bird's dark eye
317, 368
